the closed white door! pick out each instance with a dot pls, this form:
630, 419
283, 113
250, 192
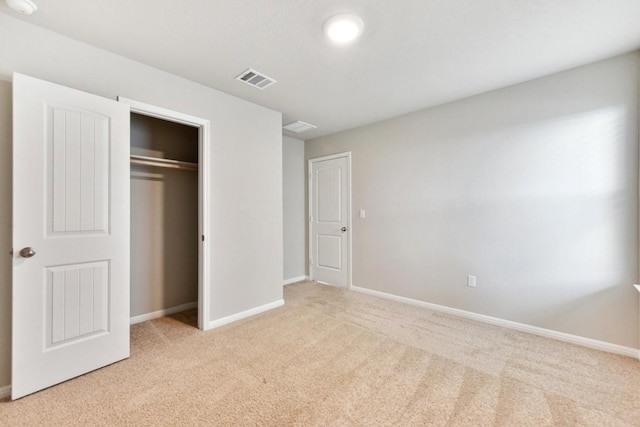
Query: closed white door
330, 220
70, 234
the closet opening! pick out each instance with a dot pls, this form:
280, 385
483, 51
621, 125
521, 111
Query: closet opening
168, 215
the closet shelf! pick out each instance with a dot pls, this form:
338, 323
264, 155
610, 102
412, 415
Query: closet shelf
163, 163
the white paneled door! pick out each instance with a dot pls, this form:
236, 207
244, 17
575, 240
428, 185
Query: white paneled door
330, 219
70, 234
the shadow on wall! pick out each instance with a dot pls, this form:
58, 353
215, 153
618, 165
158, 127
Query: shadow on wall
6, 238
164, 245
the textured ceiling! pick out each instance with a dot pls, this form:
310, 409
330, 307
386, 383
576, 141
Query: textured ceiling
413, 53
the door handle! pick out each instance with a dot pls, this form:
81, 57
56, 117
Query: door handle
343, 229
27, 252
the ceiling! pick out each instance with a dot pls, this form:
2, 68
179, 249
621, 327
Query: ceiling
413, 54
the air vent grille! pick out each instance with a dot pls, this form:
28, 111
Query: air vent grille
255, 79
298, 126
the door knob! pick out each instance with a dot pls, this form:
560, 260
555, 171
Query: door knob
27, 252
343, 229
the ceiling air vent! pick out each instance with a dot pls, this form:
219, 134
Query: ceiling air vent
255, 79
298, 126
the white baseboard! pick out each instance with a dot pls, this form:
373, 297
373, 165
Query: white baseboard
5, 391
294, 280
162, 313
548, 333
244, 314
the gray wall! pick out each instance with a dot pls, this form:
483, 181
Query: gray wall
164, 217
246, 159
532, 188
5, 232
293, 177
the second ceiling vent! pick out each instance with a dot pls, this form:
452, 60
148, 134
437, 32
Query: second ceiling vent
255, 79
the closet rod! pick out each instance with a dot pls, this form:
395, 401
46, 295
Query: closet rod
163, 163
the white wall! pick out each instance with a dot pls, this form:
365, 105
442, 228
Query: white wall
293, 204
532, 188
246, 158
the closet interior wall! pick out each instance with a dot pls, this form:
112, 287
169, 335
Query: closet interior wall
164, 217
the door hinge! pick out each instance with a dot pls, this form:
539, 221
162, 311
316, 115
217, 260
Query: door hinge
310, 261
310, 218
202, 237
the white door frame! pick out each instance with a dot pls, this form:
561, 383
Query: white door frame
204, 172
346, 154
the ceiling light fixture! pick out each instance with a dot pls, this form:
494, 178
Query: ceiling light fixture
343, 28
23, 6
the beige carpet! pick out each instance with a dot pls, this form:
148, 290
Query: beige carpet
332, 357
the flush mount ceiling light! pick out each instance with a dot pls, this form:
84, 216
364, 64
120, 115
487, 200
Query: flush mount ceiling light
23, 6
343, 28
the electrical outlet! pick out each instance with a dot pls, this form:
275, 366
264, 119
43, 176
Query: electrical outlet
363, 214
471, 281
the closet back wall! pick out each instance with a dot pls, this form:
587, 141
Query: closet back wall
164, 217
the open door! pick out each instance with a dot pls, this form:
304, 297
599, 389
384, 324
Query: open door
70, 233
